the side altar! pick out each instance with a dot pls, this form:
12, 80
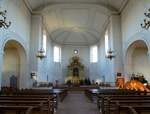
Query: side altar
75, 71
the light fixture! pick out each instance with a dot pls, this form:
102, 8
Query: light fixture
146, 24
33, 75
41, 53
110, 54
3, 23
75, 51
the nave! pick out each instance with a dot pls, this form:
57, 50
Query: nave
74, 56
77, 103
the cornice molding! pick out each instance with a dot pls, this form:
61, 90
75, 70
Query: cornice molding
27, 4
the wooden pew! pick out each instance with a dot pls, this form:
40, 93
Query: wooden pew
27, 109
33, 98
42, 103
136, 109
92, 93
108, 102
42, 92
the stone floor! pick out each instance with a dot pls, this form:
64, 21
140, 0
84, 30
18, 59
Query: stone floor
77, 103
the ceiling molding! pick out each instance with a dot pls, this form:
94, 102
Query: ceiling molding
93, 35
123, 5
69, 33
40, 8
75, 44
86, 39
105, 25
27, 4
59, 17
92, 13
59, 34
90, 33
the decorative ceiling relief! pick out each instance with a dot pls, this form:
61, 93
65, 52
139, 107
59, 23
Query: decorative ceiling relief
76, 22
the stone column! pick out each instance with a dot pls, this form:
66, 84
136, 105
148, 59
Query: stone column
116, 44
35, 41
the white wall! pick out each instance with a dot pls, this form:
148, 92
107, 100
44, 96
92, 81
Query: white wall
49, 60
46, 65
20, 18
109, 68
20, 29
141, 62
131, 19
11, 65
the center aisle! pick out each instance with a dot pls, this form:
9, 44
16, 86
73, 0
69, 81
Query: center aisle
77, 103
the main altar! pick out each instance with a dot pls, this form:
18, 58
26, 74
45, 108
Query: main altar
75, 71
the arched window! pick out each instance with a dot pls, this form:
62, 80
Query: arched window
57, 54
106, 42
44, 40
94, 54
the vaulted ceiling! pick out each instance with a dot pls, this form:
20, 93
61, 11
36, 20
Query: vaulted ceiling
76, 22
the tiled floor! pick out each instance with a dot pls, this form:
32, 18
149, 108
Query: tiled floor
77, 103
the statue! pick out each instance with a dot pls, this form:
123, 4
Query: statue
75, 71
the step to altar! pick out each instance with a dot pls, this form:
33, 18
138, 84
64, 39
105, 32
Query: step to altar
81, 88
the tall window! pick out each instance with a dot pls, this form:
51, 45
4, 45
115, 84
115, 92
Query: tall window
106, 42
44, 40
57, 54
94, 54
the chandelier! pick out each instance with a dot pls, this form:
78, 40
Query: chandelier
41, 53
3, 22
146, 24
110, 54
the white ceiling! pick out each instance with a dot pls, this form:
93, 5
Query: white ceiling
76, 21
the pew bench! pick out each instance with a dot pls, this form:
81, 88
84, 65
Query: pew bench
136, 109
108, 102
9, 108
45, 104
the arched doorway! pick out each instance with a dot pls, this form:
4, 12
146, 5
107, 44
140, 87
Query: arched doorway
14, 64
137, 60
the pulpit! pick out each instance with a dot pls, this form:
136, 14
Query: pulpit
75, 71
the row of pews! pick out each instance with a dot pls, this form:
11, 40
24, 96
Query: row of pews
120, 101
28, 101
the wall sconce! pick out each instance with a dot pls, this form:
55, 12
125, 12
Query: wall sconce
146, 24
33, 75
3, 22
110, 54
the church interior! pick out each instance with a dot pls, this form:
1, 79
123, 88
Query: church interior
74, 57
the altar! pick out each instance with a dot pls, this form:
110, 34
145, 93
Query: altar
75, 71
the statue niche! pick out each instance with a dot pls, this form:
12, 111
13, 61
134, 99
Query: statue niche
75, 71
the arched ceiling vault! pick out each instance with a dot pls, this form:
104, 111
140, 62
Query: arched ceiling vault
75, 22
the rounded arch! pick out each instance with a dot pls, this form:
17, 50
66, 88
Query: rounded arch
136, 58
139, 36
22, 49
12, 36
